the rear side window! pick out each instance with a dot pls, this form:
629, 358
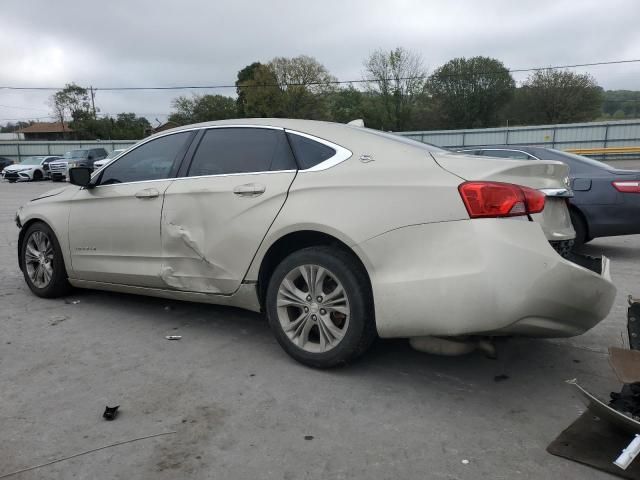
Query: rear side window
309, 153
151, 161
241, 150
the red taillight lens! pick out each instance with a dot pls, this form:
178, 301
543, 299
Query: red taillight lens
626, 186
496, 199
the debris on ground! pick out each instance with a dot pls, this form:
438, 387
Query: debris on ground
501, 378
173, 337
71, 302
57, 319
110, 413
308, 437
465, 462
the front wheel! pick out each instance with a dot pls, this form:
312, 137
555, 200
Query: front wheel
42, 263
320, 308
37, 176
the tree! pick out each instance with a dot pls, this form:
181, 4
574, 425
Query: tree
72, 102
558, 96
262, 95
202, 108
469, 93
303, 82
397, 77
126, 126
346, 104
244, 75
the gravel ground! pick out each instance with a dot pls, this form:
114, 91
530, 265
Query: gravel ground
240, 408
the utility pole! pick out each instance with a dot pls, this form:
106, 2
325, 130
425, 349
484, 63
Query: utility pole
93, 104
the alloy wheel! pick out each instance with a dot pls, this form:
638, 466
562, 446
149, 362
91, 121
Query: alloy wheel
38, 258
313, 308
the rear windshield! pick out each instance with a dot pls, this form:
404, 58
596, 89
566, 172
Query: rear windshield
400, 139
554, 154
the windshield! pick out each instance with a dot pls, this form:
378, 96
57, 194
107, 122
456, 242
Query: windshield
76, 154
32, 161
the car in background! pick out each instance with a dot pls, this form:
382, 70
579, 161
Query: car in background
30, 169
82, 157
338, 233
606, 200
101, 163
5, 162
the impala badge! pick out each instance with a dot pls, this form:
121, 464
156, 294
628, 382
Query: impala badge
366, 158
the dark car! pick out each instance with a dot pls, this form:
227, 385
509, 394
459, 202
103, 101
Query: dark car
82, 157
5, 162
606, 199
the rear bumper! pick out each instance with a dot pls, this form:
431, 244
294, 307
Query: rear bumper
485, 277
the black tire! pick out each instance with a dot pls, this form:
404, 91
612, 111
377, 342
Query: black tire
37, 176
360, 331
580, 226
58, 285
11, 180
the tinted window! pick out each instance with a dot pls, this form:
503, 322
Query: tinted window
308, 152
506, 154
241, 150
576, 163
151, 161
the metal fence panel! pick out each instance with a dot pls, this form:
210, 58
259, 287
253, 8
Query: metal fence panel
17, 150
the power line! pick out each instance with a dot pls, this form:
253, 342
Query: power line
332, 82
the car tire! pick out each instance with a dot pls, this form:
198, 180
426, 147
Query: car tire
580, 226
11, 181
42, 262
329, 324
37, 176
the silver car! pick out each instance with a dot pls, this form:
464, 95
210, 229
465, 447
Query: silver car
336, 232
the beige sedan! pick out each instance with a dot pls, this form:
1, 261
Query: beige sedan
338, 233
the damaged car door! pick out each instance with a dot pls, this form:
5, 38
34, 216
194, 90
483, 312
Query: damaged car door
114, 227
218, 211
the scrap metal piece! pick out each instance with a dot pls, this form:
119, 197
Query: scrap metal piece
605, 412
633, 323
173, 337
110, 413
628, 454
625, 364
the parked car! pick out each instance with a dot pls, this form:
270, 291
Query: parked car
82, 157
101, 163
30, 169
606, 200
338, 233
5, 162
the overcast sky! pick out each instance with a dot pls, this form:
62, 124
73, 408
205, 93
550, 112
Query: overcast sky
205, 42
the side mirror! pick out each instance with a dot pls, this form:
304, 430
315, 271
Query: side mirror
80, 176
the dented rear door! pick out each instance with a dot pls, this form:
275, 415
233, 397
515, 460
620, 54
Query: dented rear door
215, 217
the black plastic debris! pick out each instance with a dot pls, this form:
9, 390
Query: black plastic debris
308, 437
110, 413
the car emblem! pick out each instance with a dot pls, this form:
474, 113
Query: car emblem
366, 158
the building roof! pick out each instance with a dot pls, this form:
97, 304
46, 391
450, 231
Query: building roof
46, 127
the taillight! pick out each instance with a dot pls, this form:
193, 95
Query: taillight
497, 199
626, 186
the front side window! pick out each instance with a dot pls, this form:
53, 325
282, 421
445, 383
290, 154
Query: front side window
309, 153
153, 160
241, 150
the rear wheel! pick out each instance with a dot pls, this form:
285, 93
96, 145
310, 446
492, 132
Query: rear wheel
42, 262
580, 226
320, 307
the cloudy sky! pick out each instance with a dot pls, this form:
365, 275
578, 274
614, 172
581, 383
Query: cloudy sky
48, 43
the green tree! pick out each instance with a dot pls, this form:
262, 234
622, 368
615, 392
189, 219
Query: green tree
397, 78
202, 108
304, 84
469, 93
244, 75
262, 94
557, 96
72, 102
346, 104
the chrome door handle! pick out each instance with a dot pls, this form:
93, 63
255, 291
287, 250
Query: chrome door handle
147, 193
249, 190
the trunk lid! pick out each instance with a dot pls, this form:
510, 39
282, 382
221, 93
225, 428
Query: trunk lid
549, 176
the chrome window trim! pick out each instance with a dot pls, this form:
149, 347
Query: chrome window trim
340, 156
